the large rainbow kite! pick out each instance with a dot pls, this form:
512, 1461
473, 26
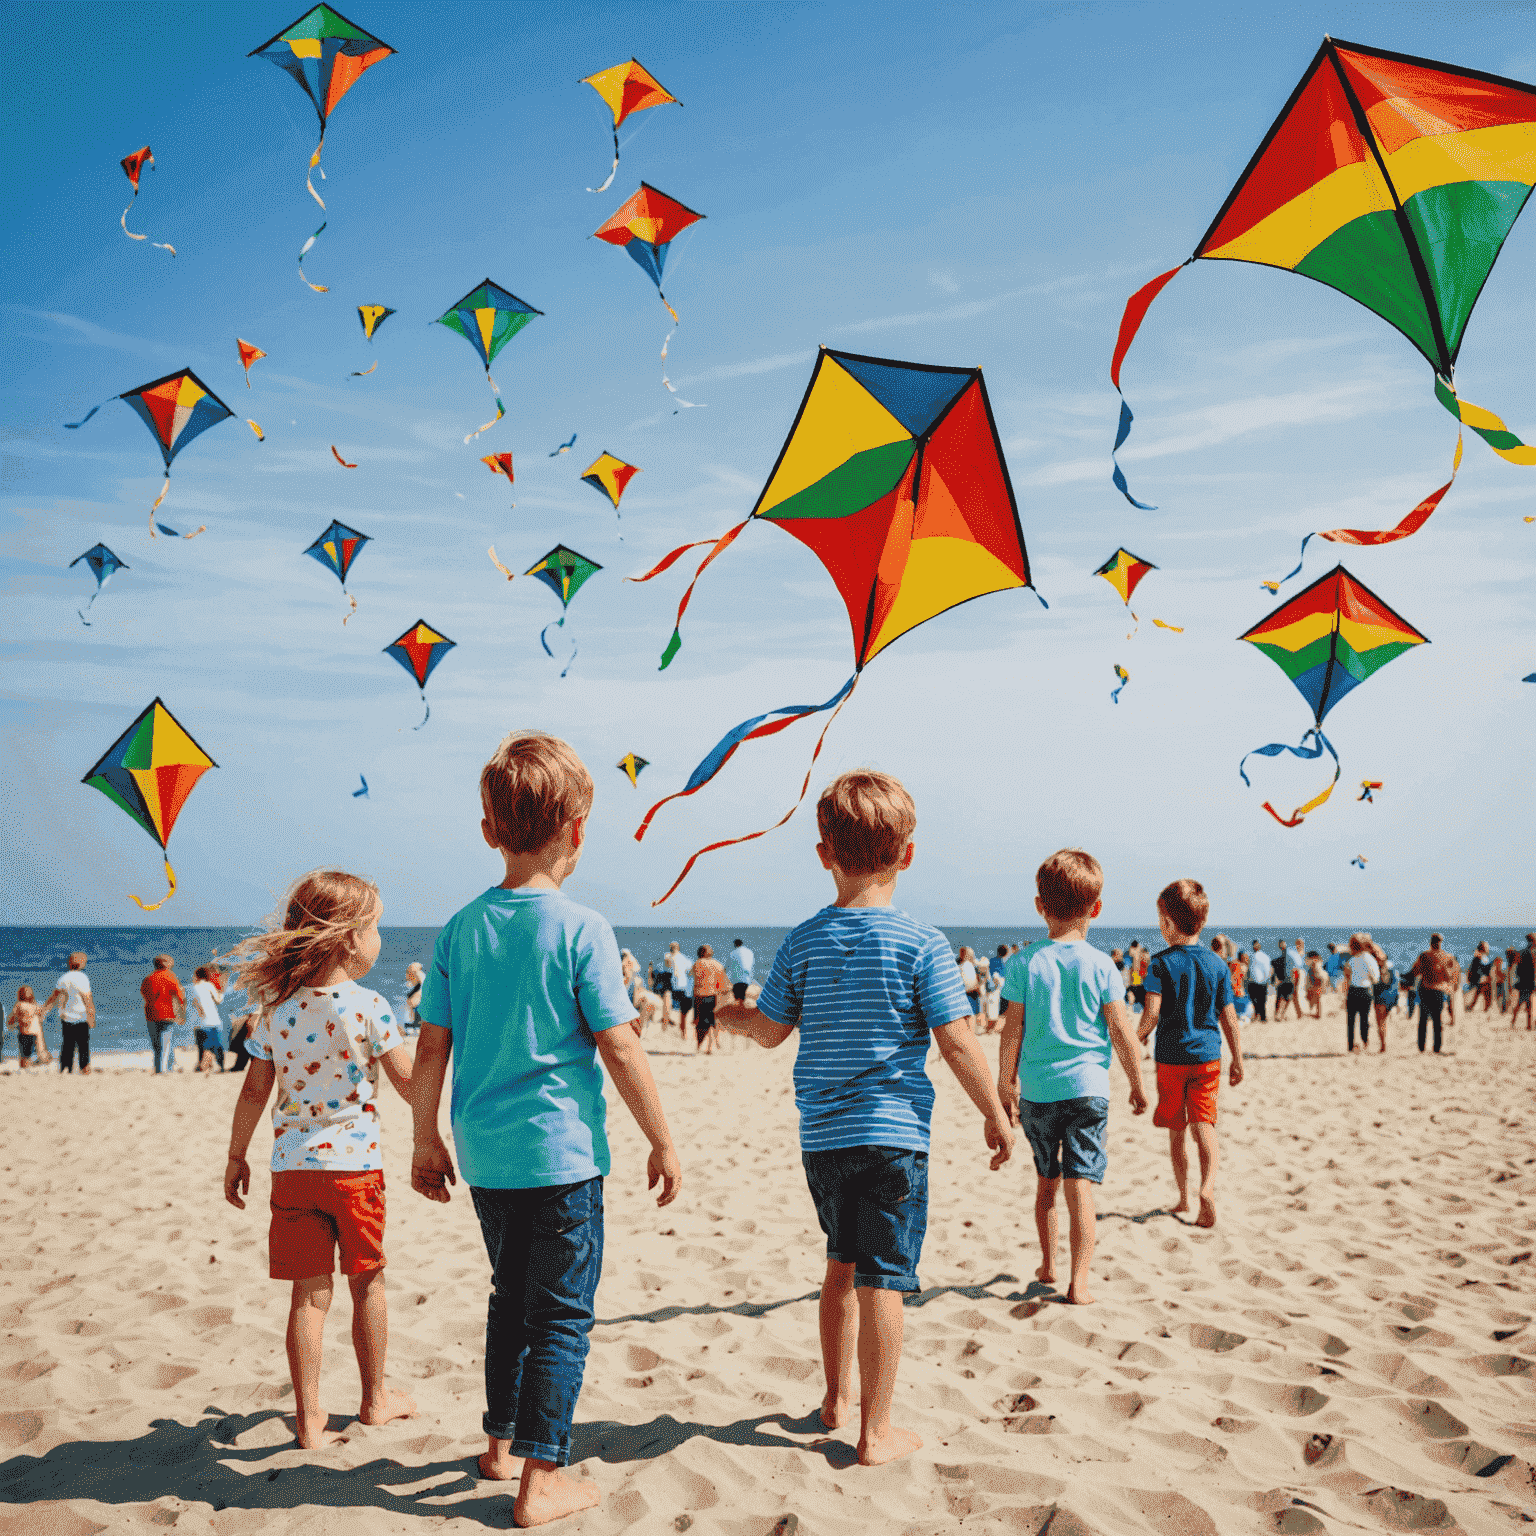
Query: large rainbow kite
1395, 180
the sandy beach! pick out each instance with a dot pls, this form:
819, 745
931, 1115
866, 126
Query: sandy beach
1350, 1349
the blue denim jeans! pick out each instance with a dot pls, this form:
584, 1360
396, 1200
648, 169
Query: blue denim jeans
872, 1202
162, 1043
546, 1252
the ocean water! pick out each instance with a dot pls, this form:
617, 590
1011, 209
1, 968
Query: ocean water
120, 958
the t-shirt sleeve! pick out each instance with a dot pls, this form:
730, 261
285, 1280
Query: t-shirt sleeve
436, 1006
384, 1032
1015, 976
941, 995
1114, 982
779, 1001
600, 991
1157, 978
259, 1042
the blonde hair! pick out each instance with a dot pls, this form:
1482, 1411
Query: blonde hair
1068, 884
307, 939
866, 819
533, 784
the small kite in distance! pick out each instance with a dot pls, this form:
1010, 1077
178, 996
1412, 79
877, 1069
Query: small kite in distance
419, 650
1124, 571
500, 464
337, 549
1359, 861
564, 572
371, 317
1366, 788
1124, 677
488, 317
102, 564
610, 475
133, 167
341, 460
248, 355
361, 794
625, 89
570, 443
631, 763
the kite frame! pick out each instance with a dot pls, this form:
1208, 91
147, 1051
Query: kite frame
148, 709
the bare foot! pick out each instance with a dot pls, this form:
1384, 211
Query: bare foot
394, 1404
547, 1494
1046, 1274
1207, 1217
1183, 1205
498, 1465
1078, 1296
891, 1446
836, 1412
312, 1437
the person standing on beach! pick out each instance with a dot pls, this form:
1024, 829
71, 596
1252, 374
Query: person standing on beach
708, 983
1317, 979
71, 995
1385, 999
1524, 979
1333, 966
1259, 971
1480, 980
1436, 971
970, 977
1363, 976
414, 976
738, 967
26, 1018
164, 1005
1286, 967
208, 1031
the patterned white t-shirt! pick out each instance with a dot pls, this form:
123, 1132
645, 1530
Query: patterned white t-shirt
326, 1115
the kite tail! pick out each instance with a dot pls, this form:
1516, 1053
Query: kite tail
748, 731
501, 410
170, 876
1135, 623
614, 171
1274, 749
1178, 629
689, 405
124, 222
1485, 424
428, 709
341, 460
544, 635
497, 563
314, 165
674, 645
74, 426
308, 246
1124, 677
575, 651
352, 610
158, 499
366, 371
255, 427
1136, 308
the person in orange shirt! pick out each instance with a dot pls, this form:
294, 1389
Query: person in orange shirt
164, 1007
709, 982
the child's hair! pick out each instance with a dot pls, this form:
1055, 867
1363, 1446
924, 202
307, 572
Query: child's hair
308, 939
706, 952
1185, 904
200, 974
1068, 884
76, 961
866, 818
1356, 944
533, 784
25, 994
163, 962
1312, 954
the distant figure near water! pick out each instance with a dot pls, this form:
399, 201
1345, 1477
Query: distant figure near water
164, 1005
71, 995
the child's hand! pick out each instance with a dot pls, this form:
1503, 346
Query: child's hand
665, 1167
1008, 1092
1235, 1076
1138, 1099
1000, 1138
237, 1181
432, 1170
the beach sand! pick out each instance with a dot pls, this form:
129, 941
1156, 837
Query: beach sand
1351, 1348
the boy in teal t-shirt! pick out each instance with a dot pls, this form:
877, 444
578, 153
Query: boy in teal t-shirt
1065, 1012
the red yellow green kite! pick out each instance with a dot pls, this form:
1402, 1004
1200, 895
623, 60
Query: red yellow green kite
626, 88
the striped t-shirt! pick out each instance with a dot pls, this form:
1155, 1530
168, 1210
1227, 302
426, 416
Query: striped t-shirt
864, 985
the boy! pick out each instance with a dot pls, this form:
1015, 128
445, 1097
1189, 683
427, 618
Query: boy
1066, 1008
1189, 992
527, 992
865, 985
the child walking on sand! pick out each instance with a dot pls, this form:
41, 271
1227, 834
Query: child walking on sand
866, 986
320, 1039
1190, 1006
26, 1018
1066, 1010
527, 993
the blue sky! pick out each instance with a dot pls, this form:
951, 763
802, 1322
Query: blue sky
967, 184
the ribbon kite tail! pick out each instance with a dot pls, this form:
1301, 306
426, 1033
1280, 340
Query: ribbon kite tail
501, 410
314, 165
352, 610
666, 341
428, 709
726, 539
614, 169
170, 876
749, 731
158, 499
1136, 308
1487, 426
1320, 745
575, 652
304, 251
124, 220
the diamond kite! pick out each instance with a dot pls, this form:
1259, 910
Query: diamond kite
1367, 786
488, 317
175, 409
564, 572
893, 477
1124, 677
1359, 861
102, 564
148, 772
325, 55
631, 763
371, 317
336, 549
1394, 180
248, 355
419, 650
500, 464
610, 475
133, 167
1328, 640
626, 88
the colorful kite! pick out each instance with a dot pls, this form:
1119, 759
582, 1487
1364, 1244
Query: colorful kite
1366, 788
133, 167
1359, 861
625, 89
893, 477
610, 475
325, 54
419, 650
570, 443
500, 464
371, 317
631, 763
336, 549
488, 317
1394, 180
248, 355
1328, 640
1124, 677
1123, 571
564, 572
102, 564
175, 409
149, 771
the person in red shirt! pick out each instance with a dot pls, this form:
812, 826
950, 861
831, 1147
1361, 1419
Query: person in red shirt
164, 1006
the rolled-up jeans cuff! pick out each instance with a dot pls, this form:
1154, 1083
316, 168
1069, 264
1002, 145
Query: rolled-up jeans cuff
885, 1282
561, 1456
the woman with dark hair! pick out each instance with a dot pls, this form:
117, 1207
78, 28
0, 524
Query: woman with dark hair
1386, 991
1362, 977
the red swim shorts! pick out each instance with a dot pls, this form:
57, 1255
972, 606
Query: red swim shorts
313, 1212
1184, 1093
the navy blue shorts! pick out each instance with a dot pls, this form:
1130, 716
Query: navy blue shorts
1067, 1138
872, 1202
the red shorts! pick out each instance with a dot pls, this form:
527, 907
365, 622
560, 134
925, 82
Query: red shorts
314, 1211
1184, 1093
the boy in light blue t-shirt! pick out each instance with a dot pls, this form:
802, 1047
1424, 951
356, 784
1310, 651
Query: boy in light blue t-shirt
527, 992
1065, 1010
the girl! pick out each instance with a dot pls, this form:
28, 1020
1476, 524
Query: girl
208, 1029
1386, 992
1317, 979
26, 1019
320, 1038
1363, 976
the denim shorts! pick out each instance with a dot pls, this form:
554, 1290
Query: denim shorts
872, 1202
1067, 1138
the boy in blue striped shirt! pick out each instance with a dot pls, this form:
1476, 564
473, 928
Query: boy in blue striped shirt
866, 985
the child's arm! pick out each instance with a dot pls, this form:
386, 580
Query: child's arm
1008, 1060
1127, 1048
1149, 1012
254, 1093
1231, 1029
626, 1063
957, 1045
750, 1020
431, 1166
397, 1067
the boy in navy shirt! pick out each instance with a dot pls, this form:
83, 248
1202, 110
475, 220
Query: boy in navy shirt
1190, 1005
865, 985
